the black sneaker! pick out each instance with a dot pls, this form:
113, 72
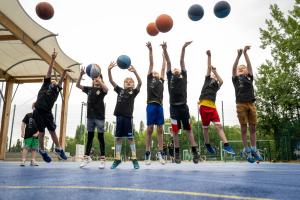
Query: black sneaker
45, 156
115, 164
196, 157
135, 164
61, 153
177, 158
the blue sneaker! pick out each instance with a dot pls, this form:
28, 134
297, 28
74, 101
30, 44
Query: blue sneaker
45, 156
61, 153
248, 155
210, 149
256, 155
135, 164
228, 149
115, 164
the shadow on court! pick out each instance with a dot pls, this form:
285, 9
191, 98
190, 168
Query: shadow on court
208, 180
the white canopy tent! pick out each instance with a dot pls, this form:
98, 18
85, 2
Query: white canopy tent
25, 54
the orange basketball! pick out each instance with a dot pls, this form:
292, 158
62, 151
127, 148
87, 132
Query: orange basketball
164, 23
152, 29
44, 10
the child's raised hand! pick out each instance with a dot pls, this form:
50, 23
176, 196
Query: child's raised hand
112, 65
164, 46
54, 54
148, 44
131, 69
82, 71
187, 44
213, 69
246, 48
240, 51
208, 53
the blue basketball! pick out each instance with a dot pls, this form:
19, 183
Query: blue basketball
123, 62
195, 12
222, 9
93, 70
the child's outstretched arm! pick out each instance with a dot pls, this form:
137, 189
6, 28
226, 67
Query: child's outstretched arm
63, 76
53, 56
182, 64
214, 70
249, 66
82, 72
103, 85
163, 68
148, 44
165, 52
208, 53
236, 62
111, 65
132, 69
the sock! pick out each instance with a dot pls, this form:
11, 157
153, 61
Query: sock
118, 151
254, 148
133, 151
247, 149
226, 144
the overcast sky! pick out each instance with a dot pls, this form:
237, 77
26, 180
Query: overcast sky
94, 31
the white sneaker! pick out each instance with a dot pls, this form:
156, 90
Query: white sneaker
147, 158
34, 163
160, 158
86, 160
22, 164
102, 164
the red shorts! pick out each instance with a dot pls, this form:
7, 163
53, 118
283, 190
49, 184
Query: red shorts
208, 115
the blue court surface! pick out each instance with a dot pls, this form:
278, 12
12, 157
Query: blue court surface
207, 180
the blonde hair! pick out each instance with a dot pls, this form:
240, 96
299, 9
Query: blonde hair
129, 78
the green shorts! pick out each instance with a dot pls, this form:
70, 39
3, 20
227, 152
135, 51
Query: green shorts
31, 143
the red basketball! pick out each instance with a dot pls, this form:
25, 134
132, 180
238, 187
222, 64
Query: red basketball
152, 29
44, 10
164, 23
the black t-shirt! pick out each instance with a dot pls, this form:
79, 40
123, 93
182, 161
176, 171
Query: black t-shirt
244, 91
209, 89
125, 101
47, 95
31, 127
95, 104
177, 88
155, 89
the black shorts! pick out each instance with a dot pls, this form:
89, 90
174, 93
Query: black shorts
180, 115
124, 127
44, 119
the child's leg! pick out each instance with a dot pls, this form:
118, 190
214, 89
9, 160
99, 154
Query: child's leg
102, 144
205, 135
89, 143
252, 130
133, 148
149, 137
160, 140
33, 154
221, 133
24, 153
244, 135
118, 148
41, 140
54, 138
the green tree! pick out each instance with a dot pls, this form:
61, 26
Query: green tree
278, 80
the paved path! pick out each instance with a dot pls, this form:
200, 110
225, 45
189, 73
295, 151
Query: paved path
210, 180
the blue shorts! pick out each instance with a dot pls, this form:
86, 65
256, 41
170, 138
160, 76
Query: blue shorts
155, 114
124, 127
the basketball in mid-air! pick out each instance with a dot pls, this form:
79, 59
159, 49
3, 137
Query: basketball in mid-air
195, 12
44, 10
124, 61
93, 70
164, 23
152, 29
222, 9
